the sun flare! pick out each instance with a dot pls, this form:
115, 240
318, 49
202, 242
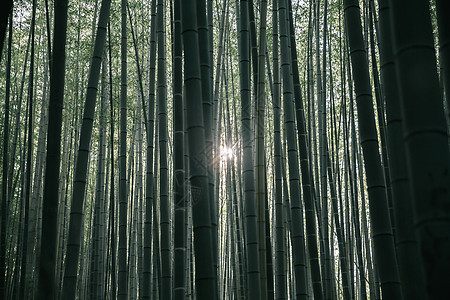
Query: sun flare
226, 152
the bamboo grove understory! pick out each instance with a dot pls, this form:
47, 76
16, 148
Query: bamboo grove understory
200, 149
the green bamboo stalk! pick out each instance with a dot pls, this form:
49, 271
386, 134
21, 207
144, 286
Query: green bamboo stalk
122, 291
179, 287
149, 159
74, 237
442, 7
297, 227
305, 168
280, 260
408, 252
260, 170
254, 287
207, 105
206, 286
4, 204
426, 139
382, 231
47, 260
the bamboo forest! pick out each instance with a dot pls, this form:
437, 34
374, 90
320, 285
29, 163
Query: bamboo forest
225, 149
